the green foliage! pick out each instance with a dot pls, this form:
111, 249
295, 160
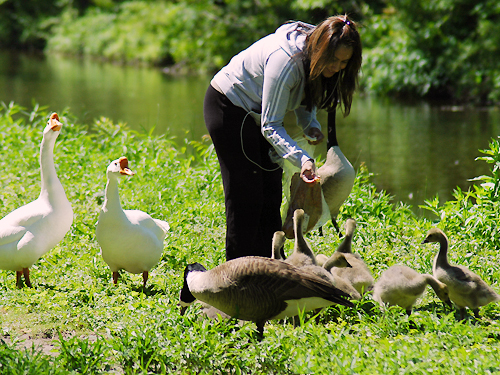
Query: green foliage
97, 327
435, 49
446, 49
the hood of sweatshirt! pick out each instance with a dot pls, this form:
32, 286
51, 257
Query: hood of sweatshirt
290, 37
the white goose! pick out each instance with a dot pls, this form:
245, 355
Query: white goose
129, 239
30, 231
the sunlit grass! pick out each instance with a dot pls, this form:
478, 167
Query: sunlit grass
97, 327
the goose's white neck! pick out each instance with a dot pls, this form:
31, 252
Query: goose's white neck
112, 196
51, 186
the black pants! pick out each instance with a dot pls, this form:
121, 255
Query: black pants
252, 192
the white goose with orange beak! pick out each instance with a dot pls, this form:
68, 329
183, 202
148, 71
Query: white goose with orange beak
130, 240
30, 231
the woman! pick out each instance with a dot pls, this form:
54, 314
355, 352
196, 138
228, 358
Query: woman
299, 68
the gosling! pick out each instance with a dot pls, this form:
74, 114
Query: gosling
466, 288
358, 274
401, 285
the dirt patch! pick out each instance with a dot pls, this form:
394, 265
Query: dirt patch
47, 342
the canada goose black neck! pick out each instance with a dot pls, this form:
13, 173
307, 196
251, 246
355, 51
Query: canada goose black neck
332, 130
301, 244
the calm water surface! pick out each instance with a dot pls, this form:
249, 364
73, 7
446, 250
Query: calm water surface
416, 150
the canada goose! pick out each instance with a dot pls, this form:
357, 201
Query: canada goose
258, 289
401, 285
302, 254
129, 239
279, 239
336, 176
30, 231
466, 288
306, 196
358, 274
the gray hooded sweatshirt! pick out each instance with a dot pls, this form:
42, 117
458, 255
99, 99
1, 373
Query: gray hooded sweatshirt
268, 79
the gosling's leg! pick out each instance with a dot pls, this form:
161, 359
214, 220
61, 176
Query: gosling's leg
145, 276
115, 277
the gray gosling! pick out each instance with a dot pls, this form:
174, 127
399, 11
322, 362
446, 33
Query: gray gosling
321, 259
401, 285
258, 289
302, 253
466, 288
337, 260
279, 239
358, 274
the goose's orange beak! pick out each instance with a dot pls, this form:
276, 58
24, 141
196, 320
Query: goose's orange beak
55, 124
124, 169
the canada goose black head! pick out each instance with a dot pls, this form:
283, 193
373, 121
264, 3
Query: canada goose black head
186, 298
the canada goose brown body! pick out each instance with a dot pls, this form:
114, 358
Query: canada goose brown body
466, 288
358, 274
258, 289
401, 285
302, 253
337, 179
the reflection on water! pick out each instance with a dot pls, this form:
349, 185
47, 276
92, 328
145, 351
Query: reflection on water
415, 150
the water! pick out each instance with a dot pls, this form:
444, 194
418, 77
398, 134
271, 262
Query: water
416, 150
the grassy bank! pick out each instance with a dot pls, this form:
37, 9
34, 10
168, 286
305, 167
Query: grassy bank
96, 327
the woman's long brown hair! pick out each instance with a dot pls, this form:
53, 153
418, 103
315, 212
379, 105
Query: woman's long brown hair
321, 44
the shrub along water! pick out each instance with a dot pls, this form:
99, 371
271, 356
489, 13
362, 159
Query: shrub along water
97, 327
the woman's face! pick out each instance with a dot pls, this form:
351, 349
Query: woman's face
340, 60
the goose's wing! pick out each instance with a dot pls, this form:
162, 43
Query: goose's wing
162, 224
462, 278
146, 222
258, 289
286, 282
10, 234
15, 225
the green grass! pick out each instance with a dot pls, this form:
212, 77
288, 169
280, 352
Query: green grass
97, 327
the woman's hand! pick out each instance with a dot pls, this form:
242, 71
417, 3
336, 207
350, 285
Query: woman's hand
316, 135
308, 172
